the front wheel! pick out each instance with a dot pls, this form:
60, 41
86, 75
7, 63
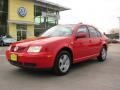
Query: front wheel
63, 63
103, 54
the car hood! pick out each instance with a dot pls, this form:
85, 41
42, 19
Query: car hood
38, 41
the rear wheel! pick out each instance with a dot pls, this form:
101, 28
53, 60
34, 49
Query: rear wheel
103, 54
63, 63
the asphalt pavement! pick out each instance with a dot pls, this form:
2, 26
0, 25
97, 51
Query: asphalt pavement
90, 75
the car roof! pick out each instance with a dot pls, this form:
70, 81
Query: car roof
75, 25
68, 25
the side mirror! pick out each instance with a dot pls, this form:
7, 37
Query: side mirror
81, 35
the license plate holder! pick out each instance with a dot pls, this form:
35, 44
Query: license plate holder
13, 57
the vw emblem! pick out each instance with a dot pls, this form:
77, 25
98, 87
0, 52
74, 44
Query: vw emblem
22, 11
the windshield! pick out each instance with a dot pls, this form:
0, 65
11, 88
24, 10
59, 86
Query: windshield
58, 31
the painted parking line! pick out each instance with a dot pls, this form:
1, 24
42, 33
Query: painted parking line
2, 55
2, 49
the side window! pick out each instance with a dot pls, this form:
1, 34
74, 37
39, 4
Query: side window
83, 29
93, 32
99, 34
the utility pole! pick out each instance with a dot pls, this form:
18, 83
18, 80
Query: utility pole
119, 27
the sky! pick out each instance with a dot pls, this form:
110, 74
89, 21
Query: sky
100, 13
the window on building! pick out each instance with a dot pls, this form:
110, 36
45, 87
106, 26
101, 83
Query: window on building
3, 16
1, 6
51, 22
39, 20
21, 31
45, 18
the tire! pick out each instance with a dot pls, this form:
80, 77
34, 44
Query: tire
62, 63
103, 55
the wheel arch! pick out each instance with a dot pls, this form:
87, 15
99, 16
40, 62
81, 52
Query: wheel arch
106, 47
66, 49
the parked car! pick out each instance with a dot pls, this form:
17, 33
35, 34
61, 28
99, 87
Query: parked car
58, 48
109, 41
115, 41
6, 40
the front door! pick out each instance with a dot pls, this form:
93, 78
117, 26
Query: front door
21, 32
81, 45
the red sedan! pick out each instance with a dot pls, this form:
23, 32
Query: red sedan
58, 48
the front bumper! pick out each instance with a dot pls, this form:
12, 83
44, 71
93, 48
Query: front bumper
37, 61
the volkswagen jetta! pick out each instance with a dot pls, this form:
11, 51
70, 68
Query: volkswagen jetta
58, 48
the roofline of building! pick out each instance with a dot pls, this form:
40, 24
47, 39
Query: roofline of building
61, 8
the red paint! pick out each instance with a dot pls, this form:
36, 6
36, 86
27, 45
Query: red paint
82, 49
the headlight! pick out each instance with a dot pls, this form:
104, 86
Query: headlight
34, 49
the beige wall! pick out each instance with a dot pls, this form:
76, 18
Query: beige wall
13, 6
12, 30
30, 31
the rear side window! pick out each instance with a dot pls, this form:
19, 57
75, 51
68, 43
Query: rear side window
83, 29
99, 34
94, 32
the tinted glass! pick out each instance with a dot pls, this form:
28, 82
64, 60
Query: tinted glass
99, 34
83, 29
93, 32
58, 31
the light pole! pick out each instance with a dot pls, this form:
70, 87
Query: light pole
119, 27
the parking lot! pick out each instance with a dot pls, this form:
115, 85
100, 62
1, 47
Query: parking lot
90, 75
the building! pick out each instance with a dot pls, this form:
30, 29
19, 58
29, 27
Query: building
113, 36
23, 19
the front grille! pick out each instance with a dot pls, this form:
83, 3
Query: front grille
12, 49
27, 65
19, 50
31, 65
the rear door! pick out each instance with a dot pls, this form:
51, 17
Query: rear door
95, 39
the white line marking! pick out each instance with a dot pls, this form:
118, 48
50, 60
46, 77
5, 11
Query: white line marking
2, 55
